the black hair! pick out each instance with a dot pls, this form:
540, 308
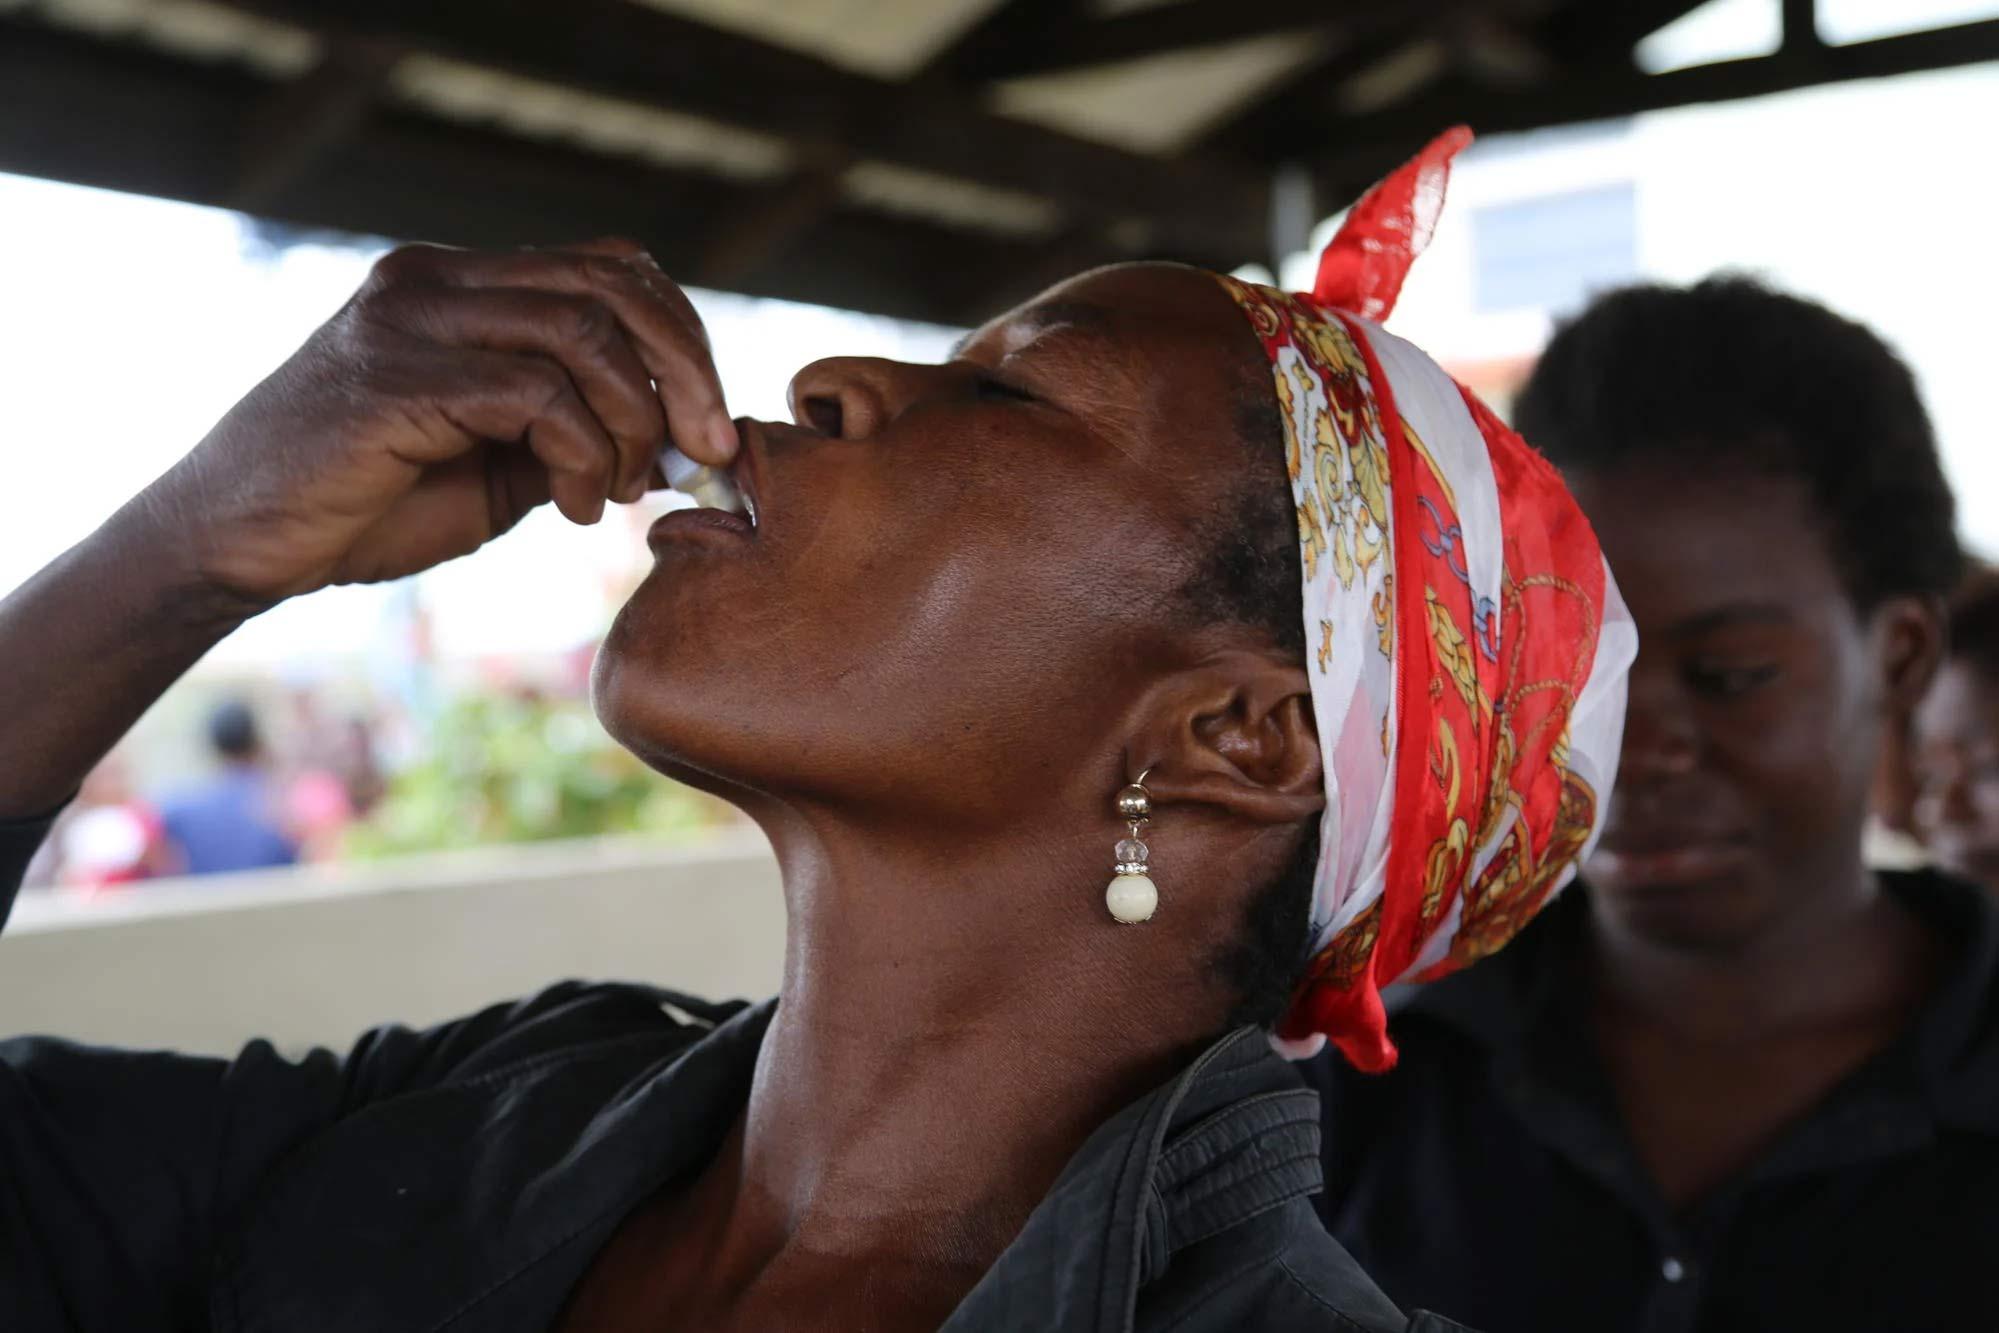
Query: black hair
1974, 622
1251, 574
232, 730
1731, 372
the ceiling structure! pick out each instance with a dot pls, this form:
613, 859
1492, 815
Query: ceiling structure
931, 159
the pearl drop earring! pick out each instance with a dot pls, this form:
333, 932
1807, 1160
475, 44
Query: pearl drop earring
1132, 896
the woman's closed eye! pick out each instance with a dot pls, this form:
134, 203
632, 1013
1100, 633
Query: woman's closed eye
994, 389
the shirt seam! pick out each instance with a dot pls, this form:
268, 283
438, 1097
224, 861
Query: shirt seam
1311, 1294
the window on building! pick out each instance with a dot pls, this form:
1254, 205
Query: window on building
1549, 253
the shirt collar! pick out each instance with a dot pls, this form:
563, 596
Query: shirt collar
549, 1176
1233, 1135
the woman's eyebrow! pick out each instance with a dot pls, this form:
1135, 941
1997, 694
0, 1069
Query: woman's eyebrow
1036, 320
1733, 614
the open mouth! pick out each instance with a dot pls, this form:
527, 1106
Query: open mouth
724, 500
749, 502
744, 474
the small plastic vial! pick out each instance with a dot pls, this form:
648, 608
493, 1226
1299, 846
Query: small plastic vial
709, 487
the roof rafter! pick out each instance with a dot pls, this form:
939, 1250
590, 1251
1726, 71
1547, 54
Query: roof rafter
300, 121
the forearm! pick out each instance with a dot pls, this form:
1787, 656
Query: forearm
89, 643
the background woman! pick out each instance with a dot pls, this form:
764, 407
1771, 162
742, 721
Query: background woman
1742, 1082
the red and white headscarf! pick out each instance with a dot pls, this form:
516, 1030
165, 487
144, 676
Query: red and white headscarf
1467, 647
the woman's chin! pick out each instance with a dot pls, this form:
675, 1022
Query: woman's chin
639, 706
1688, 913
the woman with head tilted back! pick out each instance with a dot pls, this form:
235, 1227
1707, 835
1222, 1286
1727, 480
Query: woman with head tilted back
1000, 628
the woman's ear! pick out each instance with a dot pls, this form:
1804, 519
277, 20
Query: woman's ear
1909, 641
1237, 732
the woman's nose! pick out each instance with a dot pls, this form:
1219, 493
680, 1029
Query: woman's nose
1661, 737
853, 397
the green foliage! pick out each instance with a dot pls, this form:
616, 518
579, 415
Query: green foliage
503, 769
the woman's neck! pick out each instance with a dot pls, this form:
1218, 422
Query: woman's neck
952, 1025
1840, 950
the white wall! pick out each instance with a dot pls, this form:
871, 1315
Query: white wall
318, 956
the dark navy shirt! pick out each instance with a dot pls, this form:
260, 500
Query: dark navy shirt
1489, 1176
464, 1178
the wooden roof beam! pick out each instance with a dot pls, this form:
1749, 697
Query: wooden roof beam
1008, 29
1801, 26
748, 236
297, 123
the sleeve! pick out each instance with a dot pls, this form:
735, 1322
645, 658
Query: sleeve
20, 839
120, 1169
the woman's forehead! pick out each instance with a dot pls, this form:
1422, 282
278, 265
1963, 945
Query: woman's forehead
1134, 304
1024, 324
1690, 545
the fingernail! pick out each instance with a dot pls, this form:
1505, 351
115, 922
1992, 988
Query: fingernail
726, 438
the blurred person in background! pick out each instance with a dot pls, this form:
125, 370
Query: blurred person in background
1956, 740
1892, 839
330, 776
983, 624
236, 818
337, 741
108, 837
1740, 1081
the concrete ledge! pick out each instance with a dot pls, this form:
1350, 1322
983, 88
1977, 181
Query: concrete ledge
316, 956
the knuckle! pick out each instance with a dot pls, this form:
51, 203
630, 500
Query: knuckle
546, 385
380, 302
624, 246
394, 312
592, 323
402, 264
605, 271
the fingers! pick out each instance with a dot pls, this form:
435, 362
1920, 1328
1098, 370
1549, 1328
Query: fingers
664, 331
579, 332
532, 401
